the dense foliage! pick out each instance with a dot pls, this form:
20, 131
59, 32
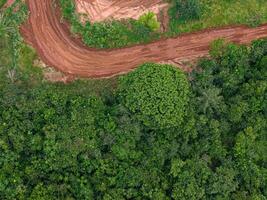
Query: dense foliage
58, 142
156, 94
64, 142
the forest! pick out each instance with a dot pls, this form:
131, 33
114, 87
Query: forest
155, 133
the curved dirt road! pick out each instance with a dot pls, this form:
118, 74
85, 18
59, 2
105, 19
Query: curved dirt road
57, 48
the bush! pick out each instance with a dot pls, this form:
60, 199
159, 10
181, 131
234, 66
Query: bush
187, 9
68, 9
258, 50
150, 20
156, 94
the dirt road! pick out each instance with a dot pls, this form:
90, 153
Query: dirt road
58, 49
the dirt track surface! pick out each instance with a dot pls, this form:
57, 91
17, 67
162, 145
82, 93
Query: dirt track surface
57, 48
99, 10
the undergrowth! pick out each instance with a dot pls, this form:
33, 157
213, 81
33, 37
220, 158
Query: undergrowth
108, 34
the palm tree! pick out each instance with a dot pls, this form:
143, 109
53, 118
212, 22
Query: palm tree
6, 27
210, 99
10, 19
11, 74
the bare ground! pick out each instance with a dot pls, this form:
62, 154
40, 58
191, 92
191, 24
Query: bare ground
100, 10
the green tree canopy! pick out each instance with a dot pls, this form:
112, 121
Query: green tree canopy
71, 141
156, 94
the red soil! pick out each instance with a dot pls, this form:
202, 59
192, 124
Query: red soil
99, 10
57, 48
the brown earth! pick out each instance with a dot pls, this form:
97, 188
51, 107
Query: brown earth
100, 10
57, 48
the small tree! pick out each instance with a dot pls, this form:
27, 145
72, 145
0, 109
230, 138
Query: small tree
156, 94
150, 20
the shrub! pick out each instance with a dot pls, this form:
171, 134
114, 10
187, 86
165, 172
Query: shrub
68, 9
186, 9
150, 20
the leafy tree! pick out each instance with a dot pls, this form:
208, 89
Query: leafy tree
189, 179
156, 94
223, 182
41, 192
258, 51
250, 160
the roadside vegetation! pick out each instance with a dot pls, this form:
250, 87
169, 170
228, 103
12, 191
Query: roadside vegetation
111, 34
156, 133
194, 15
16, 57
185, 16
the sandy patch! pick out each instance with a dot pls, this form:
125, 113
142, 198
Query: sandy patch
100, 10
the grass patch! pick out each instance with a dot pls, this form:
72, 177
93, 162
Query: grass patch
219, 13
